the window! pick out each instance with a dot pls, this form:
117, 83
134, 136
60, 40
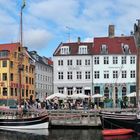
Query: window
70, 90
4, 91
106, 60
82, 49
79, 90
132, 74
15, 91
3, 54
11, 77
115, 74
104, 49
12, 92
69, 62
78, 62
79, 74
87, 74
96, 60
11, 64
124, 74
27, 92
60, 75
4, 76
26, 68
132, 60
125, 48
69, 75
26, 80
65, 50
60, 62
106, 74
96, 74
4, 63
123, 59
87, 62
115, 60
61, 90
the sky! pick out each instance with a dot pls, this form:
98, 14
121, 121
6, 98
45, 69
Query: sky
47, 23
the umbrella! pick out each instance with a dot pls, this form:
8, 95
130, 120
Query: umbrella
133, 94
78, 96
97, 96
57, 95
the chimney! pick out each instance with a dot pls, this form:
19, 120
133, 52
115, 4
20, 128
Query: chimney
79, 40
111, 31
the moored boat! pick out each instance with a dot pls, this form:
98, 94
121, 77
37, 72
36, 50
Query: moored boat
115, 120
114, 132
15, 120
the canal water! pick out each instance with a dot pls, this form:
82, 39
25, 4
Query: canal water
63, 134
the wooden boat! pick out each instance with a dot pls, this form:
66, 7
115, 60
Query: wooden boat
113, 132
117, 120
15, 120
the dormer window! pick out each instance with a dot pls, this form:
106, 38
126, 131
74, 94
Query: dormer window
65, 50
4, 53
83, 50
104, 49
125, 48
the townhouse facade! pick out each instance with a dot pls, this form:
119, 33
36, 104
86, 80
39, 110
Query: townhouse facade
43, 76
15, 85
101, 66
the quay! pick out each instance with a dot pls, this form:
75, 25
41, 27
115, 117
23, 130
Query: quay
79, 118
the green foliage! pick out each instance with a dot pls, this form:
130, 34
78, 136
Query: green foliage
107, 100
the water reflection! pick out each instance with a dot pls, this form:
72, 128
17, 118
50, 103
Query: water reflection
62, 134
75, 134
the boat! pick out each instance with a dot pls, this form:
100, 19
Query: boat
21, 121
114, 132
117, 120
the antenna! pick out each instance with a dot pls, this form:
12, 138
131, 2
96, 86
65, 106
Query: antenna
69, 28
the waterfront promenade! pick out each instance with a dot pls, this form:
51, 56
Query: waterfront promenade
79, 118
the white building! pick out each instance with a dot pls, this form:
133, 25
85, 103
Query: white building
43, 76
96, 67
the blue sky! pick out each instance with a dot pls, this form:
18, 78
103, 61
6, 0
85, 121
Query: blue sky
47, 23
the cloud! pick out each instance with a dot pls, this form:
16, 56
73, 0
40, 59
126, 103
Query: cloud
36, 39
45, 21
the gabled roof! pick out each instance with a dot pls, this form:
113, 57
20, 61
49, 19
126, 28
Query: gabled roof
10, 46
114, 44
74, 46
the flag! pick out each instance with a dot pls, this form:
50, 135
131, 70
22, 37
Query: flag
23, 4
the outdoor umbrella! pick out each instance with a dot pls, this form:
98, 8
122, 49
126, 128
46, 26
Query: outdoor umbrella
78, 96
56, 95
133, 94
97, 96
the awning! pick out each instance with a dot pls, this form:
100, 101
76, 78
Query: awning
87, 88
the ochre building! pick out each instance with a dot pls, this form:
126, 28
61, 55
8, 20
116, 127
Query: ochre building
16, 73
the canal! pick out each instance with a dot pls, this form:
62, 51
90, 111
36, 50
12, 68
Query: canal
63, 134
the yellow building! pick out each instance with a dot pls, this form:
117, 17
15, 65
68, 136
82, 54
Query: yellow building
16, 73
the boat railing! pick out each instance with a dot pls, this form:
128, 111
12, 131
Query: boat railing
19, 113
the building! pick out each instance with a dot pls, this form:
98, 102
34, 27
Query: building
72, 68
16, 73
43, 76
100, 66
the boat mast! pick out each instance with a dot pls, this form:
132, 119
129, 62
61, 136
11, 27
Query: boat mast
20, 66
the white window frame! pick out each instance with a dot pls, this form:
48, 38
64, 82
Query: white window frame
79, 75
106, 60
